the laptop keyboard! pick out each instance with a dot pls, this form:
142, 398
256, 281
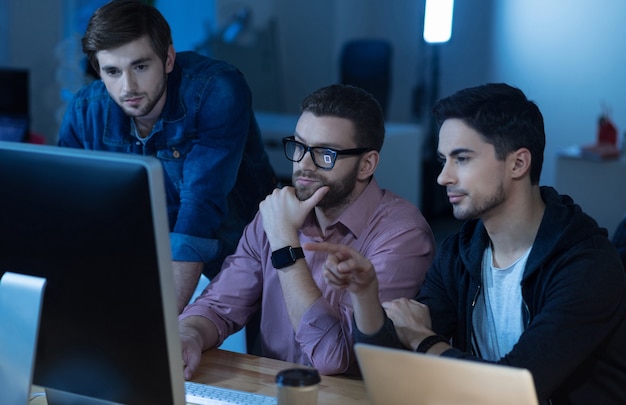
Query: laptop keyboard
203, 394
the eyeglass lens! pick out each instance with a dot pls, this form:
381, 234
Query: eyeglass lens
323, 158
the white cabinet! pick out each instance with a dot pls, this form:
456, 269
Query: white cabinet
599, 187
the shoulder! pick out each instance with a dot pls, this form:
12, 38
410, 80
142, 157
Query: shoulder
92, 94
197, 65
394, 216
399, 207
202, 76
463, 250
565, 226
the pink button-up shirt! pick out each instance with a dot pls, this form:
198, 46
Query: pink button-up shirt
388, 230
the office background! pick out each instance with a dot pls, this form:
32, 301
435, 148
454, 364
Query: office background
565, 55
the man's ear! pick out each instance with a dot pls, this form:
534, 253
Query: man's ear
369, 162
520, 163
171, 57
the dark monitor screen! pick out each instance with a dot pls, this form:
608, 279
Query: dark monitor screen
14, 89
94, 225
14, 107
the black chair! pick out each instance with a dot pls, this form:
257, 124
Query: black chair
366, 63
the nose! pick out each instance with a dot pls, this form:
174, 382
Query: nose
129, 82
306, 163
445, 175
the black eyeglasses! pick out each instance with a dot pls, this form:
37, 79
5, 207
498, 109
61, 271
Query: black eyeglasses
324, 158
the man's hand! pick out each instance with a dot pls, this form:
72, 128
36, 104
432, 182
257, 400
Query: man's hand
197, 334
191, 345
349, 269
283, 214
411, 320
346, 268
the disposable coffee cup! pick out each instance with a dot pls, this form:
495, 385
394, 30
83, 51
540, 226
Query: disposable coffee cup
297, 386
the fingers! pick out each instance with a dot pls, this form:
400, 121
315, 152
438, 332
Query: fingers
188, 372
191, 353
402, 302
316, 197
191, 361
402, 307
336, 280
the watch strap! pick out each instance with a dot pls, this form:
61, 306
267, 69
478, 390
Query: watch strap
429, 342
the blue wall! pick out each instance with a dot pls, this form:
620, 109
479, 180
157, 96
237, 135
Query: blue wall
566, 55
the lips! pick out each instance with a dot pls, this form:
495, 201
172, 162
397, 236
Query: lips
454, 198
133, 100
306, 181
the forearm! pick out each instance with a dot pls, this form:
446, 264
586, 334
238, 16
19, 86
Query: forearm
299, 290
369, 316
186, 276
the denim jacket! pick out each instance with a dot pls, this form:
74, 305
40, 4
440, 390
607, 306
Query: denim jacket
215, 167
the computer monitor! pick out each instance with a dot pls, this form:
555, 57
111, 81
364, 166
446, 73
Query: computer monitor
94, 225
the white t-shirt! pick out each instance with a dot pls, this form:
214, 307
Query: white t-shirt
497, 318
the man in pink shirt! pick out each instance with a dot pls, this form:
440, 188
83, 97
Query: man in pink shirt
335, 198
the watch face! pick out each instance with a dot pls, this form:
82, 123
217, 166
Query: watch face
286, 256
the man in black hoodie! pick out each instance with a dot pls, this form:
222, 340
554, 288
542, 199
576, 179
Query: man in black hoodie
529, 281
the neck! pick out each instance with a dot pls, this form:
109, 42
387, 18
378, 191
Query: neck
513, 231
144, 126
327, 216
146, 122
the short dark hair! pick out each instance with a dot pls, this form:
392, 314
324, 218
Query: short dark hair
504, 117
354, 104
122, 21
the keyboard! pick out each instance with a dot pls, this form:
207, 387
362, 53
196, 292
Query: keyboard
203, 394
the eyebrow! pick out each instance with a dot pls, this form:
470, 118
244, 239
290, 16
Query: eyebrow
133, 63
455, 152
328, 146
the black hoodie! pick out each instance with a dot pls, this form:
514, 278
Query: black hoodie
574, 292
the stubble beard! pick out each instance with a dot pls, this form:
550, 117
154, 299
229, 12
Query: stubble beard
482, 208
151, 102
340, 193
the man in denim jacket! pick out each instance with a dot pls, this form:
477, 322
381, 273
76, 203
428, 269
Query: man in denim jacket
193, 113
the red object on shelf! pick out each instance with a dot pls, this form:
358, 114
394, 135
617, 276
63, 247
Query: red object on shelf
607, 133
606, 145
35, 138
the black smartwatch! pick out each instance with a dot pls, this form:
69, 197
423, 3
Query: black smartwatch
286, 256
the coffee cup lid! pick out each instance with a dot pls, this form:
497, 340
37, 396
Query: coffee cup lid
298, 377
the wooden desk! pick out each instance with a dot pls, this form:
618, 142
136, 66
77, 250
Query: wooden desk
246, 372
256, 374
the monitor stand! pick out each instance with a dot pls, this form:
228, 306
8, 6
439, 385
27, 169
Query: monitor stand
20, 308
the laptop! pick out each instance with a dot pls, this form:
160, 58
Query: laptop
14, 104
399, 377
